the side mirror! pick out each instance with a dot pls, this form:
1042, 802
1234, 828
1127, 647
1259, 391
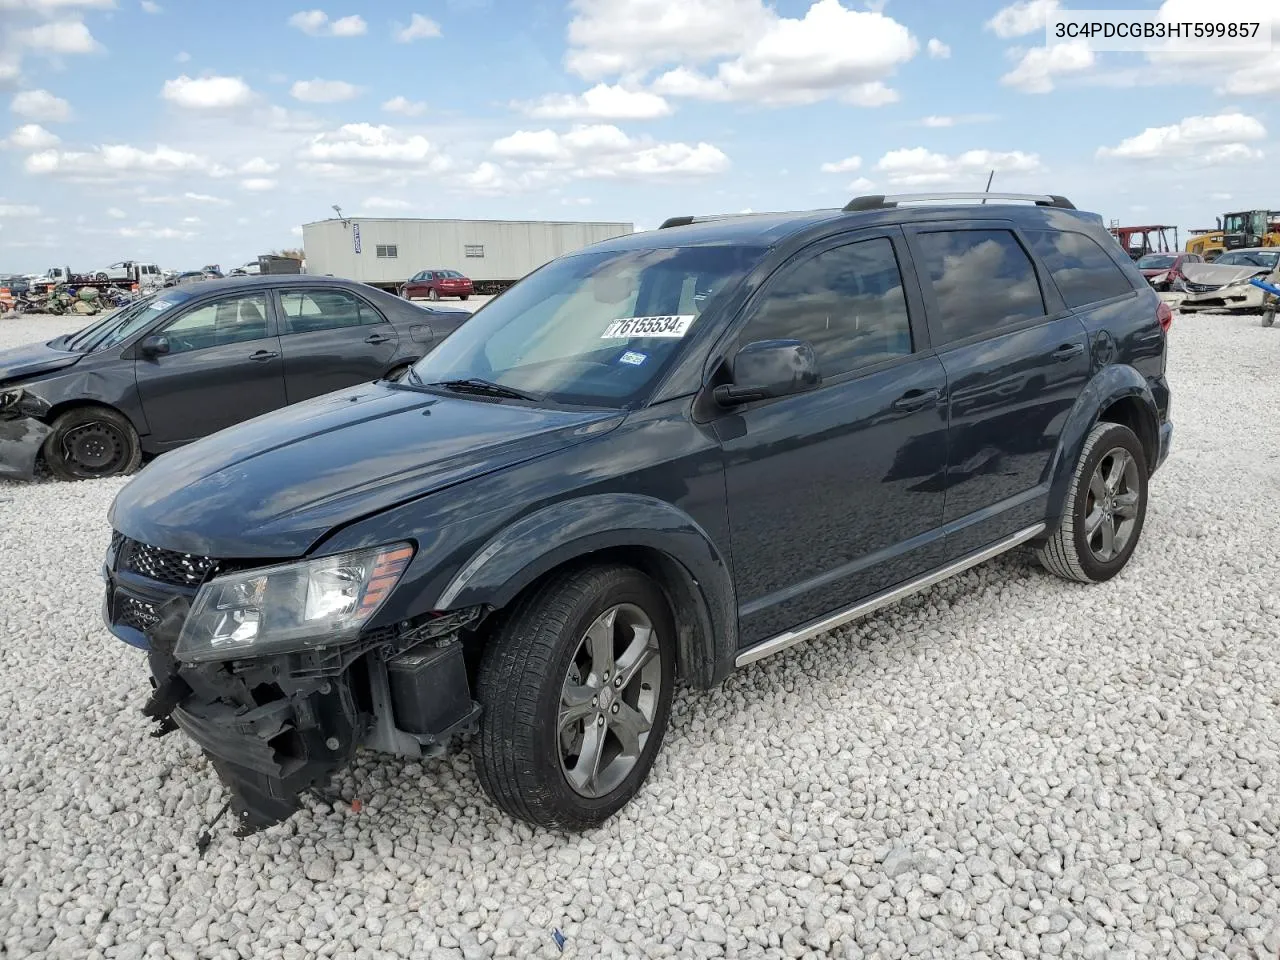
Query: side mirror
766, 369
156, 345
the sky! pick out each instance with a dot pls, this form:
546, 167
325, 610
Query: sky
189, 132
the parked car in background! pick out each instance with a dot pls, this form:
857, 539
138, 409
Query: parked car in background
1164, 270
180, 364
17, 284
604, 482
191, 276
147, 276
1224, 284
434, 284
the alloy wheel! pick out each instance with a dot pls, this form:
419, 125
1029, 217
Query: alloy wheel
1111, 508
608, 700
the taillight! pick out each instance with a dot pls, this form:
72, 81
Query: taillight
1164, 316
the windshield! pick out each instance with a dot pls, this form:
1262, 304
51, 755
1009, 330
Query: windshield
119, 326
1257, 258
595, 329
1156, 261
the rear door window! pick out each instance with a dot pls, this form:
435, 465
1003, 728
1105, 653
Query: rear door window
982, 281
1079, 266
313, 310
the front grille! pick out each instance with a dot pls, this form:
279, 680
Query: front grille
1202, 287
164, 566
136, 613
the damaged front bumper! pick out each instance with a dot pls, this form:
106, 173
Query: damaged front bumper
1243, 296
22, 434
277, 727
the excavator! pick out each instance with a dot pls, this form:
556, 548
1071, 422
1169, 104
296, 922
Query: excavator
1245, 228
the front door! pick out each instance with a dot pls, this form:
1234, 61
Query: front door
223, 367
1016, 360
836, 494
332, 339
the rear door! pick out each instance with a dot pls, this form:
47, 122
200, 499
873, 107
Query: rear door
1015, 357
223, 367
331, 339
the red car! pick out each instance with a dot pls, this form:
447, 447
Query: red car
1163, 270
434, 284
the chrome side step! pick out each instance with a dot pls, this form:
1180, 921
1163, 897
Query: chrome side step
767, 648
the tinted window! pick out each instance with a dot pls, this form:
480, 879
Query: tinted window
311, 310
847, 302
982, 280
1081, 268
232, 320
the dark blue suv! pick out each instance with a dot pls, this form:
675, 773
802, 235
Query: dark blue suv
660, 458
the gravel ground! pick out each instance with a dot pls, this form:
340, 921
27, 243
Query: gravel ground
1005, 766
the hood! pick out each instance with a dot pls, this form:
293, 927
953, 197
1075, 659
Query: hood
1215, 274
34, 358
271, 487
1156, 271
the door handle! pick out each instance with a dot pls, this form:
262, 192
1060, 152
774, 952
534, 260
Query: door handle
917, 400
264, 355
1067, 351
376, 338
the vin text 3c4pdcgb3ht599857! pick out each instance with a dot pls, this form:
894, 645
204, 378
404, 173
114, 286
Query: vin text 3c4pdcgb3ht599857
652, 461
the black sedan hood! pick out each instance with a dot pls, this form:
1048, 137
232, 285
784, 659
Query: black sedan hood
32, 359
273, 486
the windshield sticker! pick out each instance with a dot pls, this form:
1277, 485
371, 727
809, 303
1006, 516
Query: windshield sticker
633, 358
673, 327
160, 305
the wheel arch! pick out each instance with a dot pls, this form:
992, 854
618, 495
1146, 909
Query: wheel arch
1116, 394
78, 403
649, 534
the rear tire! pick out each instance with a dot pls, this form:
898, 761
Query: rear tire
576, 685
1105, 509
465, 296
89, 443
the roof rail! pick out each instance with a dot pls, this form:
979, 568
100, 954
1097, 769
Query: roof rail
880, 202
686, 220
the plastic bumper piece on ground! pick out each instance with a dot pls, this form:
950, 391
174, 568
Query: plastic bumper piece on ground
20, 441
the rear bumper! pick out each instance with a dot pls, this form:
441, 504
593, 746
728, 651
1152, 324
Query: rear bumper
1166, 443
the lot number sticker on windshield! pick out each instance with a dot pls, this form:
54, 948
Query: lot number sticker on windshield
673, 327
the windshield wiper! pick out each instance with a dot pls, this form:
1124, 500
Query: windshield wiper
485, 388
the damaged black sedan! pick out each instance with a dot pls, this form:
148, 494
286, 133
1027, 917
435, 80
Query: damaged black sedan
183, 363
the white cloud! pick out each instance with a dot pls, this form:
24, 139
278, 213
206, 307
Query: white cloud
602, 151
18, 210
860, 186
1037, 67
52, 7
942, 121
207, 93
316, 23
150, 6
367, 151
1020, 19
60, 36
182, 57
192, 220
386, 203
937, 49
601, 102
352, 26
1227, 133
188, 196
258, 184
847, 165
40, 105
258, 166
419, 28
115, 213
404, 106
612, 37
154, 233
116, 162
831, 51
918, 166
31, 136
324, 91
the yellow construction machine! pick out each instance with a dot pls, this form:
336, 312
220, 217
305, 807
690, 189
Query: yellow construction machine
1245, 228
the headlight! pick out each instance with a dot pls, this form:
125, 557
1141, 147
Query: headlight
1239, 283
294, 606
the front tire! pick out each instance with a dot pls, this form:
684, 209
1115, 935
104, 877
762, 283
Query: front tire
1105, 510
576, 686
89, 443
432, 294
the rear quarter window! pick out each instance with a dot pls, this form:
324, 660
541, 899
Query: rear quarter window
1079, 266
982, 281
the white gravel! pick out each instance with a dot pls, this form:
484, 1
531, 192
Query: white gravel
1006, 766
